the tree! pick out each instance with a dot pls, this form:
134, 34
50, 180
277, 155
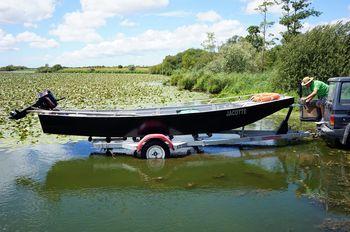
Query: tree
56, 68
210, 43
294, 12
322, 52
254, 37
265, 24
237, 57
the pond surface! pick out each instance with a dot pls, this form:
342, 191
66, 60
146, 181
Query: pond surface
64, 187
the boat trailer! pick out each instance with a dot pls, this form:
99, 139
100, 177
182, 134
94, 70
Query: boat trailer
159, 146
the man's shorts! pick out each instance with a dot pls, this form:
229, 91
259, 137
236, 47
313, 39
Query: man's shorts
321, 102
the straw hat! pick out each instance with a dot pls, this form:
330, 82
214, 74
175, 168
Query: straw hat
307, 80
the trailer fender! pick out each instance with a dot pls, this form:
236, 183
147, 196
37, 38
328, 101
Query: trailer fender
149, 137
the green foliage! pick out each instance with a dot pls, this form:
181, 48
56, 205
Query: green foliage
48, 69
131, 68
251, 83
234, 39
189, 59
216, 66
217, 83
238, 57
271, 57
254, 37
294, 12
210, 43
12, 68
187, 82
323, 52
56, 67
224, 83
103, 69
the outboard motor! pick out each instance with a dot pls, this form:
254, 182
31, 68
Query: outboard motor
46, 101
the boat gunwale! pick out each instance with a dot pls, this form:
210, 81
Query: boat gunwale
133, 112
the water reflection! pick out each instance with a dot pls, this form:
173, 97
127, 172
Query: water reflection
191, 172
316, 172
46, 184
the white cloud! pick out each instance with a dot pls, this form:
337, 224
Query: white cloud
209, 16
153, 41
82, 25
25, 11
30, 25
9, 41
121, 7
35, 40
252, 5
128, 23
275, 31
175, 14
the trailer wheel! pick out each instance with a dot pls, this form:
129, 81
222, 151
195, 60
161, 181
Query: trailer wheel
155, 149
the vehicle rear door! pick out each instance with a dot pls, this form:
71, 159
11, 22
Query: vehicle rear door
342, 110
331, 101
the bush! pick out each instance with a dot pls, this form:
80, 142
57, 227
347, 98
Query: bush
216, 84
175, 78
191, 59
131, 68
323, 52
187, 82
216, 66
239, 57
56, 68
12, 68
202, 82
48, 69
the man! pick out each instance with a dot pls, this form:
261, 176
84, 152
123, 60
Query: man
318, 88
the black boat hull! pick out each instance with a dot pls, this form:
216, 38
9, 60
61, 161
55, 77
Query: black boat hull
172, 124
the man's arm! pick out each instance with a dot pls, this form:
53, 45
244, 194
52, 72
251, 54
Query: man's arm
311, 96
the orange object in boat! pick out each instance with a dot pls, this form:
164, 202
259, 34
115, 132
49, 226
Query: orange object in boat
266, 97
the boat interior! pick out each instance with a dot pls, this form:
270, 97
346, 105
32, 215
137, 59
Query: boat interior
184, 108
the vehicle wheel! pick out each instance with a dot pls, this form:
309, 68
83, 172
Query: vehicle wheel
155, 149
333, 142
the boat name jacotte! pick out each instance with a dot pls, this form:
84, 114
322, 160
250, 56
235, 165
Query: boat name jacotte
237, 112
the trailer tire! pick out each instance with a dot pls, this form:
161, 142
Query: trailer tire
155, 149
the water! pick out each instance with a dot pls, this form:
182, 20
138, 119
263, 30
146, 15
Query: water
56, 187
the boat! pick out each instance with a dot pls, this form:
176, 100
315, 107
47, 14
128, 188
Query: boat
172, 120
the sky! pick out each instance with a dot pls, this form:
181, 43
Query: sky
139, 32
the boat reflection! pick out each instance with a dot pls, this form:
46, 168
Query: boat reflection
195, 171
309, 170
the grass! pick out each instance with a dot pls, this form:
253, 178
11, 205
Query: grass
224, 84
82, 91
